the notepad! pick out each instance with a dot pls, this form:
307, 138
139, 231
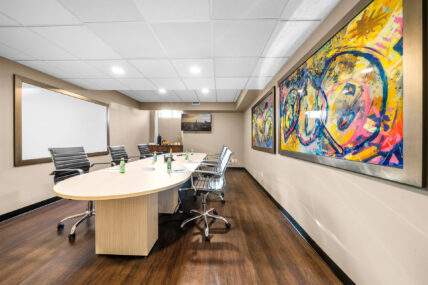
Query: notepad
181, 170
112, 169
148, 168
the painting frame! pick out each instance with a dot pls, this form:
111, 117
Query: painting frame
186, 127
270, 92
414, 167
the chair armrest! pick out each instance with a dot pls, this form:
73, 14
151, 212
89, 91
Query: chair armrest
206, 172
96, 163
209, 162
80, 171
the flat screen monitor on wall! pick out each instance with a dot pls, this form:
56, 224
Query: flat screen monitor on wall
196, 122
50, 117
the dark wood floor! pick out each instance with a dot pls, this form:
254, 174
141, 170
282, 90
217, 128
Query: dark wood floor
261, 247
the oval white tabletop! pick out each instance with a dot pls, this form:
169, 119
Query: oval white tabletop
142, 177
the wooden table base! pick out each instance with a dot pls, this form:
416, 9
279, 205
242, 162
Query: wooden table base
126, 226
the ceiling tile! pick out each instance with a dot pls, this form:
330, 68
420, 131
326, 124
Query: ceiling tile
268, 66
308, 9
76, 69
288, 37
31, 12
79, 41
105, 84
235, 67
241, 38
154, 68
210, 97
183, 67
231, 83
258, 82
191, 40
129, 39
226, 95
13, 54
168, 83
170, 97
106, 66
199, 83
31, 43
6, 21
187, 95
103, 10
247, 9
44, 67
81, 83
137, 84
142, 95
173, 10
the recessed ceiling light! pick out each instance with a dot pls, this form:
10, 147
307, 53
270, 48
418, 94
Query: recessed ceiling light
117, 70
195, 69
205, 90
162, 91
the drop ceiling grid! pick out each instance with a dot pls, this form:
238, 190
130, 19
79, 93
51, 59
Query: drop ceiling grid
268, 17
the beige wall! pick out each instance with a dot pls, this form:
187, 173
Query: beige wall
169, 128
375, 230
22, 186
227, 129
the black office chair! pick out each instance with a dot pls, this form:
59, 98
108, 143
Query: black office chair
69, 162
117, 153
144, 151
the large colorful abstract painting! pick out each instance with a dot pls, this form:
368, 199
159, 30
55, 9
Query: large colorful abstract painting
263, 123
346, 100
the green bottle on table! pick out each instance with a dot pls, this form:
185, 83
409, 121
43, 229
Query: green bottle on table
187, 155
122, 165
169, 164
155, 157
192, 151
170, 152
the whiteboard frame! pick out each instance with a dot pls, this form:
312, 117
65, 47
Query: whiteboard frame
18, 80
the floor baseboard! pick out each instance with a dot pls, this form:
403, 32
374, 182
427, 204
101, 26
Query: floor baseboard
330, 263
28, 208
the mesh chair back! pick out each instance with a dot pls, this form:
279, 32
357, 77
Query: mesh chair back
144, 150
69, 158
223, 152
225, 161
117, 152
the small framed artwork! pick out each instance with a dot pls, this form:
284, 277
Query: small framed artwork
263, 123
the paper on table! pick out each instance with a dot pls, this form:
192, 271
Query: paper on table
148, 168
112, 169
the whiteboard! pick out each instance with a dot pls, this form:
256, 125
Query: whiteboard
53, 119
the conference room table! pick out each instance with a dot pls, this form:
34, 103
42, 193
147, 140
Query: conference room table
127, 204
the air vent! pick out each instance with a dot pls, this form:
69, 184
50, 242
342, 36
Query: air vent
196, 103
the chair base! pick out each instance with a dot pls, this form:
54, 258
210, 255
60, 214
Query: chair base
205, 214
90, 211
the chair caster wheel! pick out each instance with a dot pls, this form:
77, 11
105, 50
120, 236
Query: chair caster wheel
222, 194
71, 236
223, 201
194, 198
60, 226
215, 212
207, 238
227, 225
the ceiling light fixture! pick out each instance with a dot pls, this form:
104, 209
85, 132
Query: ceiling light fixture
117, 70
195, 69
205, 91
162, 91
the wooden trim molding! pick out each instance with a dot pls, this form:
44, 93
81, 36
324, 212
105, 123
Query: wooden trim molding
18, 80
268, 93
